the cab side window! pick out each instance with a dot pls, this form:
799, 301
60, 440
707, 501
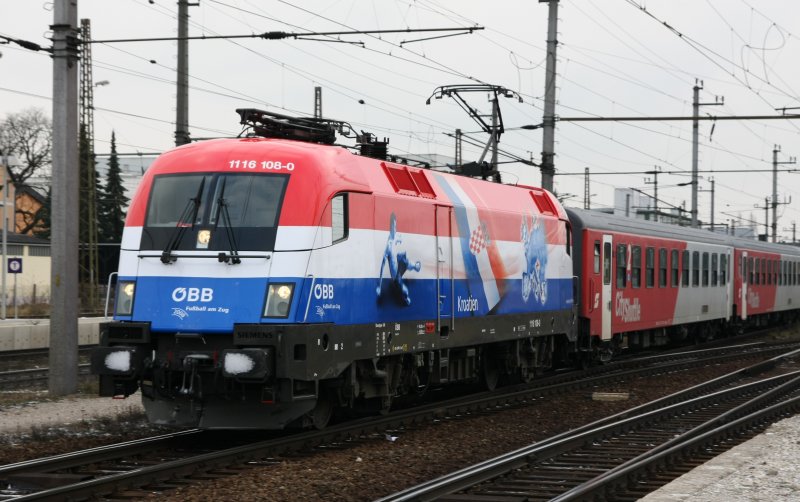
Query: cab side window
339, 217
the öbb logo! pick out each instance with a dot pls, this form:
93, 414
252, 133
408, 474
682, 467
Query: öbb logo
193, 294
323, 291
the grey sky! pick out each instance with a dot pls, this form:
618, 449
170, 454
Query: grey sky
614, 60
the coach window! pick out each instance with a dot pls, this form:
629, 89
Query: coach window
685, 269
339, 228
714, 269
757, 271
761, 277
723, 269
674, 267
750, 270
662, 268
622, 266
763, 271
781, 272
770, 271
705, 270
695, 268
636, 267
650, 267
596, 257
607, 263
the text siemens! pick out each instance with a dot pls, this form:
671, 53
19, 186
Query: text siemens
273, 165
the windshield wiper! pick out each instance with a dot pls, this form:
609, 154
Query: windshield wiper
222, 207
191, 209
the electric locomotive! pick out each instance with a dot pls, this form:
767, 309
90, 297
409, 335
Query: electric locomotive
273, 279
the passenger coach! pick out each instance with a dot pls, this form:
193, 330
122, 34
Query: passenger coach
645, 284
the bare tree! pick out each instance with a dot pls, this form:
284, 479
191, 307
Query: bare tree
27, 135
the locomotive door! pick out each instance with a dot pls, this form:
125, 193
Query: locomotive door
605, 293
744, 270
444, 269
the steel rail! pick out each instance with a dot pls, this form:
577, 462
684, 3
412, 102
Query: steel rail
16, 378
166, 470
501, 465
732, 423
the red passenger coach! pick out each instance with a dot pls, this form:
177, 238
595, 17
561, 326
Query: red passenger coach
767, 282
644, 283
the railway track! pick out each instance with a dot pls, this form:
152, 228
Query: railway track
35, 377
27, 368
627, 455
162, 463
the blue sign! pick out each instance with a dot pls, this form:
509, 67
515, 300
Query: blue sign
15, 265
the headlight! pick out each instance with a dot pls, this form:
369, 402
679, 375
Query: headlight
203, 238
125, 294
279, 299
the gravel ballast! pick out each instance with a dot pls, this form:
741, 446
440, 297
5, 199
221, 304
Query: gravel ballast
366, 469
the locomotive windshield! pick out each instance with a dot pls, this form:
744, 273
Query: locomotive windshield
208, 211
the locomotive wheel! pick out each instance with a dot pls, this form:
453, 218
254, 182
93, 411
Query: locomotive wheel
322, 412
491, 373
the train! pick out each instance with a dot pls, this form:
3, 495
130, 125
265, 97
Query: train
278, 279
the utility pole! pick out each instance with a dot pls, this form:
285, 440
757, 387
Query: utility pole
89, 264
586, 195
775, 202
63, 354
647, 181
696, 104
317, 102
182, 109
765, 207
712, 201
549, 117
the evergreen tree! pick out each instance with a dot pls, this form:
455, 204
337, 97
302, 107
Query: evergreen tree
113, 202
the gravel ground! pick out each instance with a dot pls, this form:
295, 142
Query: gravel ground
366, 469
376, 467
